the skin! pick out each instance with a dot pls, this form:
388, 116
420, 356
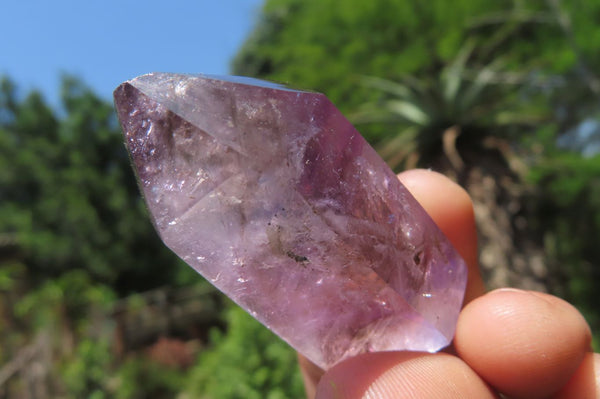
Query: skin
518, 343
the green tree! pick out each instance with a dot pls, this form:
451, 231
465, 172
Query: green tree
74, 235
67, 193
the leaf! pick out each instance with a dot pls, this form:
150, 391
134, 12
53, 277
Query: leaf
408, 111
387, 86
453, 73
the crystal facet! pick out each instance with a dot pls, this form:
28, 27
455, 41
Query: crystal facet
274, 197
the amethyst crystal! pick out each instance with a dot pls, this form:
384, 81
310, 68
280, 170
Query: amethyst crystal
275, 198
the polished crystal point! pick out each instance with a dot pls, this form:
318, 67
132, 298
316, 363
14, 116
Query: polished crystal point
275, 198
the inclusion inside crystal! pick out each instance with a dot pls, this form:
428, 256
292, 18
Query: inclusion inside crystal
274, 197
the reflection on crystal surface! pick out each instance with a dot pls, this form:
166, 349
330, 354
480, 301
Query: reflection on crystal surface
276, 199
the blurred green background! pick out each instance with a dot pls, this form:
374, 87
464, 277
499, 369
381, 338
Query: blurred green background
501, 96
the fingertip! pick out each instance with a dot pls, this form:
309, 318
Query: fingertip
525, 344
427, 186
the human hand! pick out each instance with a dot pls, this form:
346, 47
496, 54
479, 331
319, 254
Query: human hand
518, 343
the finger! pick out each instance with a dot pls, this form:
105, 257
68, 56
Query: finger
311, 374
585, 383
525, 344
451, 208
402, 375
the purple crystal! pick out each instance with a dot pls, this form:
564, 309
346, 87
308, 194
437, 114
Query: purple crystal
275, 198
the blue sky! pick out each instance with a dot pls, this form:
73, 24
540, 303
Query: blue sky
107, 42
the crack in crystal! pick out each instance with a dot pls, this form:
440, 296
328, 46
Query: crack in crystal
185, 214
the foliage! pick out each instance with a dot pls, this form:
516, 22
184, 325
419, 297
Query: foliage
94, 372
68, 197
247, 362
68, 297
325, 44
140, 378
74, 235
85, 376
429, 114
